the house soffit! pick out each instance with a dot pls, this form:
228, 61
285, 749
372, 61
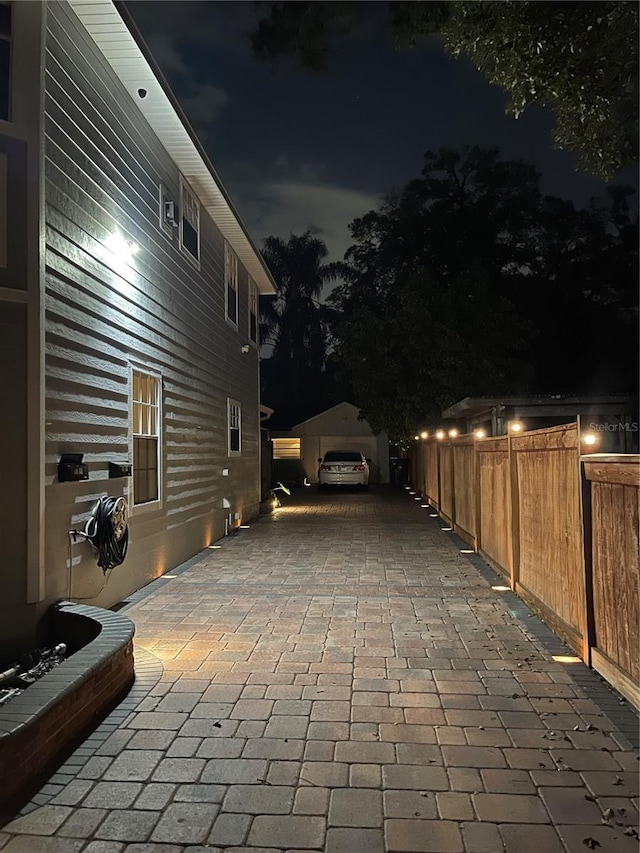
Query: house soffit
115, 35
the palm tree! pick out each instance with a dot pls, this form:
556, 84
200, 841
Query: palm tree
293, 323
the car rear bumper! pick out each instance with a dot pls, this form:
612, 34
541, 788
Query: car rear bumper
330, 478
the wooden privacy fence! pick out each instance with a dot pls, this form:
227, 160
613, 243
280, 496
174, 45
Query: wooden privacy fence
611, 504
561, 528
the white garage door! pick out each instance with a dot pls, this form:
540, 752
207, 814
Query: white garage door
366, 444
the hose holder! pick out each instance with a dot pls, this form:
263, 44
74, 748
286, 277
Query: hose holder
108, 531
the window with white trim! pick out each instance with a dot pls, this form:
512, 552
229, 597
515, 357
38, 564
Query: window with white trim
234, 420
231, 283
145, 410
286, 448
5, 61
253, 311
189, 221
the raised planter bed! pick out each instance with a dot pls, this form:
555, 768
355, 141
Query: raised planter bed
39, 727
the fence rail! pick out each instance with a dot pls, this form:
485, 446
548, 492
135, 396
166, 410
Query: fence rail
560, 527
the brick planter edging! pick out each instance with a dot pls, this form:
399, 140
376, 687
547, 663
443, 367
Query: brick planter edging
38, 727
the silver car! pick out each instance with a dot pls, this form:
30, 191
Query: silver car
343, 468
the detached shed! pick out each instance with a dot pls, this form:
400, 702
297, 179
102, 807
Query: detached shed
337, 428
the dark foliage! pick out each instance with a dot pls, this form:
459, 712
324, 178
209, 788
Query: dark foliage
470, 282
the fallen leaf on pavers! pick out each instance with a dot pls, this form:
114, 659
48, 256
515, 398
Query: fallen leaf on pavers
607, 814
618, 781
217, 725
591, 843
591, 798
632, 831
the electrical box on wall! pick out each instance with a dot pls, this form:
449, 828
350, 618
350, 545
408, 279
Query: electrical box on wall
170, 212
71, 468
119, 469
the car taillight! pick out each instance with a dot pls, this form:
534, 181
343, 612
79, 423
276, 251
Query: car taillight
359, 468
325, 467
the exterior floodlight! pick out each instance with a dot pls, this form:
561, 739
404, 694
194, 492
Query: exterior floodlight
453, 433
590, 438
123, 249
440, 434
424, 434
480, 433
515, 426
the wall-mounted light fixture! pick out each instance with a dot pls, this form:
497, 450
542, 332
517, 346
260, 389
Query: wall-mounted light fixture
123, 250
246, 348
515, 426
480, 433
440, 434
424, 434
453, 433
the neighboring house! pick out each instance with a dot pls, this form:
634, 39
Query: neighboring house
128, 321
337, 428
613, 418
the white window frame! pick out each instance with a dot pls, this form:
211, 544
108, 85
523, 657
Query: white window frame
157, 378
231, 277
253, 303
234, 421
189, 207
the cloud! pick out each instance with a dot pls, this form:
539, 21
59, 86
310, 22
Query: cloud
280, 205
202, 103
166, 54
205, 104
225, 26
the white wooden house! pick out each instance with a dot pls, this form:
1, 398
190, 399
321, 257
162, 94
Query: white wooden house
128, 318
337, 428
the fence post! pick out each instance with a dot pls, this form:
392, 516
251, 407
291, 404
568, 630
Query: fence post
452, 445
514, 555
478, 506
589, 623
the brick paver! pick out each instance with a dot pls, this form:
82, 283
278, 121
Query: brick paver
340, 677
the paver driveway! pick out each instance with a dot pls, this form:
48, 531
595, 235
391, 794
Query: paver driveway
340, 677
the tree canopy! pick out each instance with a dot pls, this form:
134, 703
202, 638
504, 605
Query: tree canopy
470, 282
580, 59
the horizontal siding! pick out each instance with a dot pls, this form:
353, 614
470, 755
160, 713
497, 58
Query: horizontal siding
103, 169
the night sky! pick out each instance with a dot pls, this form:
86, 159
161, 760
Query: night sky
299, 150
